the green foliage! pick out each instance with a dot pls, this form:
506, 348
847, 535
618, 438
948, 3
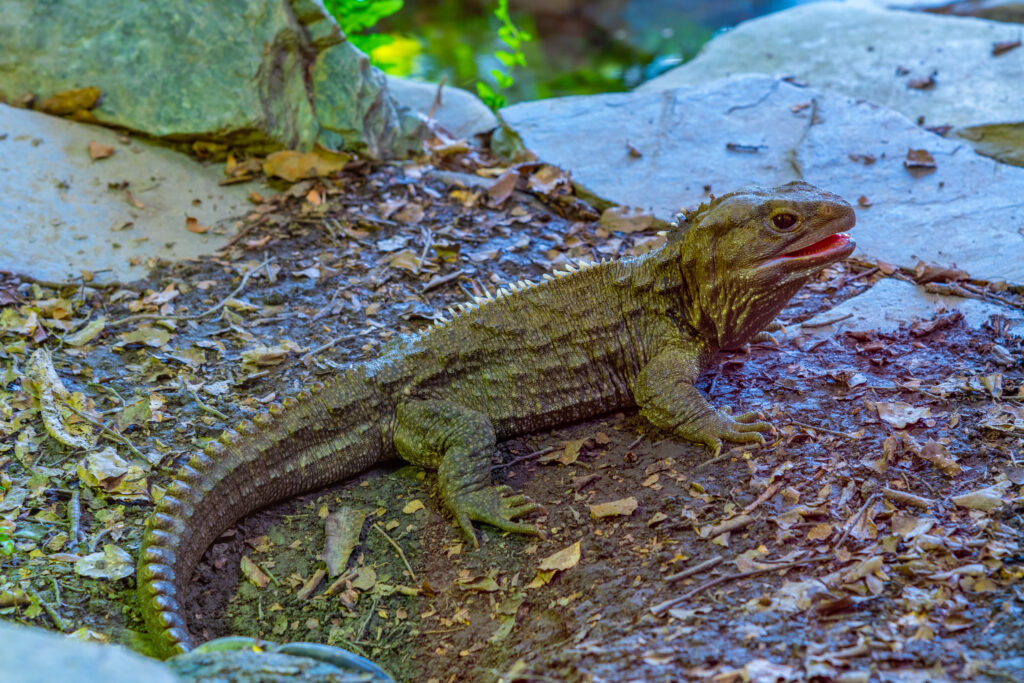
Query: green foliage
510, 59
6, 544
354, 16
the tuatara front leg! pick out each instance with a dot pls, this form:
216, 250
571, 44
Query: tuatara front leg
667, 397
458, 442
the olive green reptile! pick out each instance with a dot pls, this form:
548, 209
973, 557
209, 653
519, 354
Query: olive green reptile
593, 339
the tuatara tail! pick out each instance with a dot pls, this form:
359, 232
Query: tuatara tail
324, 435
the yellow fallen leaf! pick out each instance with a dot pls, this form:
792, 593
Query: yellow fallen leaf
192, 225
293, 166
413, 506
616, 508
565, 558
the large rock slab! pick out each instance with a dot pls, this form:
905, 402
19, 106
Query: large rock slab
64, 212
890, 303
460, 112
881, 55
32, 655
661, 150
232, 72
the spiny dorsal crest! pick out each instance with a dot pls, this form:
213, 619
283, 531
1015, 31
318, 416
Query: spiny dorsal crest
511, 288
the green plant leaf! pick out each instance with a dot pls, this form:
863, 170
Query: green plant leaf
506, 58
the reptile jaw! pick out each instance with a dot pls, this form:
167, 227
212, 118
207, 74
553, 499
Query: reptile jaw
832, 246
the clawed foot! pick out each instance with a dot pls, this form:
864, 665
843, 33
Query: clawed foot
720, 426
495, 505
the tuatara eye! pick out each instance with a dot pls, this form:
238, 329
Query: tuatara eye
783, 221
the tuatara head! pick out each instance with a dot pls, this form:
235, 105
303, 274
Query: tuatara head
745, 254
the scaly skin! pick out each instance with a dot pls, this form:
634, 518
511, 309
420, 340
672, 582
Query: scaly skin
635, 332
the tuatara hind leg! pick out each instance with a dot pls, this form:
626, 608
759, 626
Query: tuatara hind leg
666, 395
458, 442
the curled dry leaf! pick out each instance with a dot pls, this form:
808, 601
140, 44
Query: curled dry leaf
87, 333
253, 573
628, 219
113, 563
109, 472
50, 390
192, 225
343, 527
98, 151
294, 166
900, 414
623, 507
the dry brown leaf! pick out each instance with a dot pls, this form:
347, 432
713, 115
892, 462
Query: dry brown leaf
502, 188
623, 507
900, 414
294, 166
566, 558
192, 225
98, 151
627, 219
254, 573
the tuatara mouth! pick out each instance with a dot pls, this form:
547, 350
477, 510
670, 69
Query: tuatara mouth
834, 243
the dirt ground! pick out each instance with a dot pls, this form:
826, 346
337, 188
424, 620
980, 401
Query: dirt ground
875, 537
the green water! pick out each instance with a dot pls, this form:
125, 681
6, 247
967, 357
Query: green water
577, 47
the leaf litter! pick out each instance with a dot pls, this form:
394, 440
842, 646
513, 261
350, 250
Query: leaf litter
877, 533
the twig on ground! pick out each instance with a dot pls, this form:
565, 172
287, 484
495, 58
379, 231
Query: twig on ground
521, 458
826, 323
661, 609
907, 498
197, 316
195, 397
439, 280
822, 429
54, 616
107, 431
326, 345
397, 547
75, 519
853, 522
695, 569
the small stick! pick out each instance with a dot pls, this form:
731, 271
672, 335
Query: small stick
75, 519
428, 241
765, 495
521, 458
439, 280
57, 621
195, 397
853, 522
907, 498
327, 345
108, 432
197, 316
822, 429
243, 232
397, 547
437, 98
659, 610
826, 323
696, 569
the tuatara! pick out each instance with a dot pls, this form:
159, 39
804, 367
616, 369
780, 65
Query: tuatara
592, 339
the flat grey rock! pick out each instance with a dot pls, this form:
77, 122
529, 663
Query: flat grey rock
891, 303
461, 112
64, 212
755, 130
32, 655
878, 54
253, 74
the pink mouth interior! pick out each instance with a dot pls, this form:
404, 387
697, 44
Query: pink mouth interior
839, 239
